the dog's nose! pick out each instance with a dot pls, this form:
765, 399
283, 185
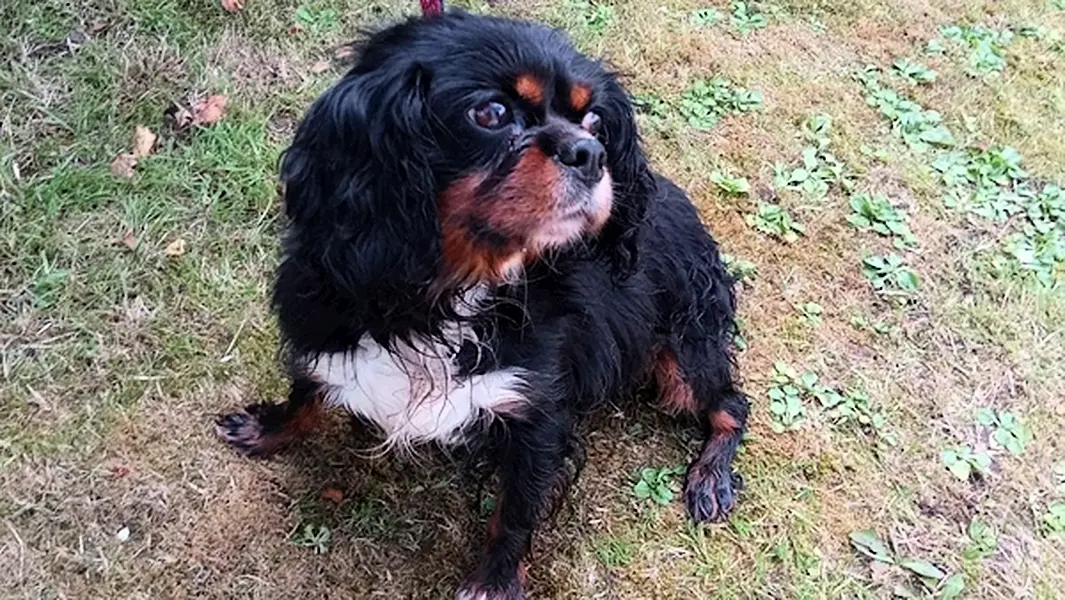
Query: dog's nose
586, 155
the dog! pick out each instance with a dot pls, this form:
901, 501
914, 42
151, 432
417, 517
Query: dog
476, 251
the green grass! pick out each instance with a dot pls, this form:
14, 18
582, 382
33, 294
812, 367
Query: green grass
924, 221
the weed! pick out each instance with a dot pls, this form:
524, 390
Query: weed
1039, 245
739, 338
317, 20
488, 505
888, 275
932, 578
746, 18
706, 102
988, 182
878, 214
600, 17
593, 15
1035, 33
785, 398
854, 409
733, 186
740, 269
963, 461
921, 129
1054, 518
913, 72
868, 543
986, 47
311, 536
991, 183
811, 312
773, 220
1007, 430
788, 391
983, 540
652, 107
878, 327
369, 517
48, 284
705, 17
935, 47
658, 485
613, 552
1057, 4
820, 168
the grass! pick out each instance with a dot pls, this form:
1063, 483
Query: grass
930, 240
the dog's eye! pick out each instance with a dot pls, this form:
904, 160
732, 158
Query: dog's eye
490, 115
590, 123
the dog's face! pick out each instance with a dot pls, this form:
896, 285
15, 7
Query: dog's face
525, 170
460, 149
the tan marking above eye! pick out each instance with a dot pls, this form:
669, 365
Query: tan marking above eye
529, 88
580, 95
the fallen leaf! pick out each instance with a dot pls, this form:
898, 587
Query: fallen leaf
232, 5
143, 141
209, 111
332, 494
128, 240
118, 471
122, 166
320, 67
175, 248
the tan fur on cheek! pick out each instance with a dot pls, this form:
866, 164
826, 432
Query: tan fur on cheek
487, 235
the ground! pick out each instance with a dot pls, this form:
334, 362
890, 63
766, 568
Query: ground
134, 308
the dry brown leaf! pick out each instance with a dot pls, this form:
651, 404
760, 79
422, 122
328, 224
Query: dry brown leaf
118, 471
143, 141
232, 5
320, 67
175, 248
210, 110
122, 166
128, 240
332, 494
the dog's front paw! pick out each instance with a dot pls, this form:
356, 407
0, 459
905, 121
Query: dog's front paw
710, 493
476, 588
244, 430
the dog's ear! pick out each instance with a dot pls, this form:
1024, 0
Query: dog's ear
634, 183
359, 190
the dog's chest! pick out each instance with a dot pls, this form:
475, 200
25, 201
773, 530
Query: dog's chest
418, 392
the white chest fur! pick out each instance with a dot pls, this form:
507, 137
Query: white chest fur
415, 393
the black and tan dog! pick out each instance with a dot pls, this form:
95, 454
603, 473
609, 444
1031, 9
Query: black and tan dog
477, 252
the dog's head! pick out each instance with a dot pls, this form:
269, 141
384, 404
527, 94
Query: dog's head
460, 149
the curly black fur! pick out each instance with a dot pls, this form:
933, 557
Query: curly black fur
587, 321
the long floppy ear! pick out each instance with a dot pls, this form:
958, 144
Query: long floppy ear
634, 183
359, 194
